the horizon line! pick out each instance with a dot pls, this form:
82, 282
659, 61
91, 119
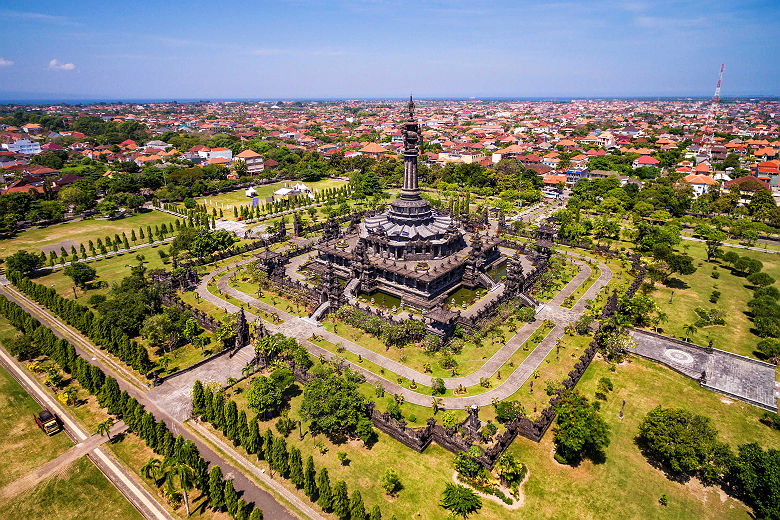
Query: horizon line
87, 100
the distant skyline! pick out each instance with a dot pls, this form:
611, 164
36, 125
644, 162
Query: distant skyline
386, 49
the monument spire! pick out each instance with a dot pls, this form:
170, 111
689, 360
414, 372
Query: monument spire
411, 134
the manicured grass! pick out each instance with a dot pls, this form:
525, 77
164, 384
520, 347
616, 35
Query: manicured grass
23, 445
609, 490
571, 348
79, 491
86, 410
595, 272
469, 359
562, 276
109, 270
239, 198
736, 336
133, 453
270, 296
81, 232
422, 475
626, 485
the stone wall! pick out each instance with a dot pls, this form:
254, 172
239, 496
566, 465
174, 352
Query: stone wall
206, 321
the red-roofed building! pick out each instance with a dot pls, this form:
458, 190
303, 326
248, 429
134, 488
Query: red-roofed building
769, 172
747, 186
645, 160
374, 150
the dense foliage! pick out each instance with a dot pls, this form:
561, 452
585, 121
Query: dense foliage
683, 442
580, 431
332, 403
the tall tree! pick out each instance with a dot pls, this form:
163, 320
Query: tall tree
755, 476
309, 478
231, 498
341, 500
279, 456
216, 489
296, 467
253, 441
231, 421
357, 511
460, 500
325, 499
198, 399
579, 429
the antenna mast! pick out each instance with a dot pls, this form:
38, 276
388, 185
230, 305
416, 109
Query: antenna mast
708, 136
716, 97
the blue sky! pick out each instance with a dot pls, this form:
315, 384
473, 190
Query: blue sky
356, 49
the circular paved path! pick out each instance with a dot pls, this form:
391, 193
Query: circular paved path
302, 329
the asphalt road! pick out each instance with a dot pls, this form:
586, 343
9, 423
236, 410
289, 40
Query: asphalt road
118, 475
245, 487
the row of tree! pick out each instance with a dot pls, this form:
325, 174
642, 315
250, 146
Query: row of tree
182, 463
286, 461
101, 329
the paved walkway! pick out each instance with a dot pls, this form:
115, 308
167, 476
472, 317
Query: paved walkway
730, 374
303, 329
246, 488
737, 246
175, 394
55, 466
124, 480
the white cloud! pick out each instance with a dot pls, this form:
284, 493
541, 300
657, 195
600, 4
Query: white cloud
37, 17
5, 63
56, 65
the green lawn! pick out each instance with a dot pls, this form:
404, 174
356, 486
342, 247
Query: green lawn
239, 198
571, 348
736, 335
109, 270
561, 277
79, 491
81, 232
133, 453
581, 289
471, 357
23, 444
609, 490
626, 485
421, 474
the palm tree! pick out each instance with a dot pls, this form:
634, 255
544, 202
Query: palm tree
176, 471
105, 428
151, 469
689, 329
661, 317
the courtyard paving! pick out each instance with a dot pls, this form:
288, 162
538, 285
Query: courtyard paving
736, 376
303, 329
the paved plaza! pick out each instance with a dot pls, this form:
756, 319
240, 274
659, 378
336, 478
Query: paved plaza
736, 376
